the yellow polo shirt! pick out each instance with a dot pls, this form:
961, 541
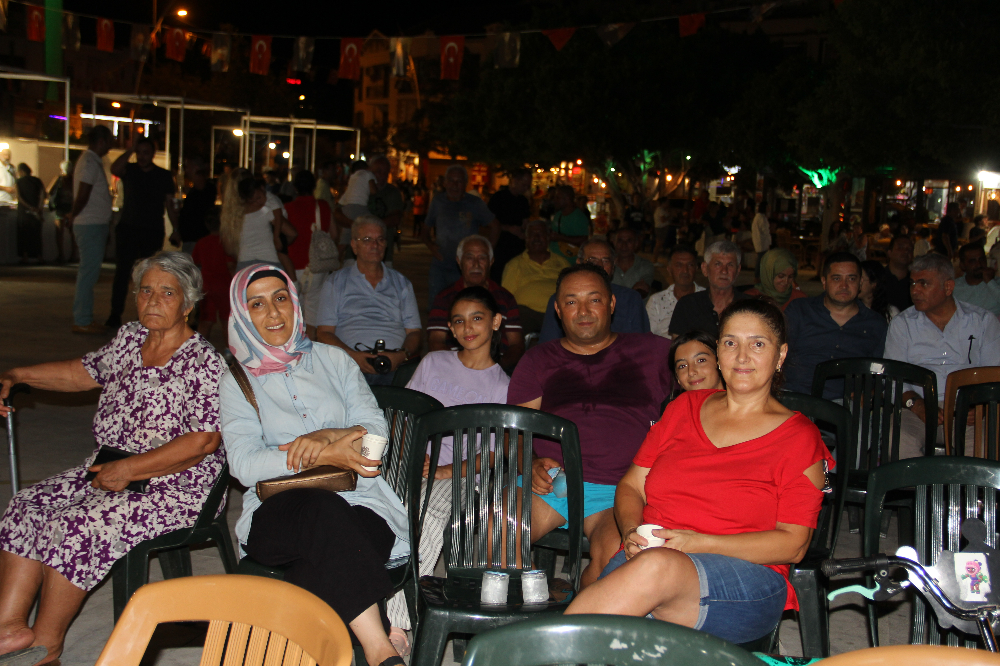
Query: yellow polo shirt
532, 283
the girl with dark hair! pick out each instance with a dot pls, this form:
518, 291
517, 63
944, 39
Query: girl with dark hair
468, 376
872, 291
731, 480
693, 358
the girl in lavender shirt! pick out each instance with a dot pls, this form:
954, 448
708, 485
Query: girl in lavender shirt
468, 376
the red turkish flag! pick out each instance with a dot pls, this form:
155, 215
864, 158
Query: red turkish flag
36, 23
105, 35
452, 50
176, 44
350, 58
559, 36
690, 24
260, 54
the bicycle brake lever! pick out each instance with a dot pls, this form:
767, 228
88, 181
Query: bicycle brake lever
868, 593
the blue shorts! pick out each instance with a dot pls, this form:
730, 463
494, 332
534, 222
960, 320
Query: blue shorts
596, 498
740, 601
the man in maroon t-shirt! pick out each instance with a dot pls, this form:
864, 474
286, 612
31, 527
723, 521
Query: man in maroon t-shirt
611, 385
475, 256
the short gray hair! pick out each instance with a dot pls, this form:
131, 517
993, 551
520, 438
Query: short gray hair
934, 262
476, 238
178, 264
365, 219
595, 241
723, 247
457, 167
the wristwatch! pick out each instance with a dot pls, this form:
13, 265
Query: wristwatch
909, 403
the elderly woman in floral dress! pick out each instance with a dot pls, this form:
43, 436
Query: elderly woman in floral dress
160, 402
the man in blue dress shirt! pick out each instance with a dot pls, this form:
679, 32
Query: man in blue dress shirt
629, 315
940, 334
369, 301
834, 324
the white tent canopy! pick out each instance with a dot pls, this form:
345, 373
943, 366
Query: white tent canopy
25, 75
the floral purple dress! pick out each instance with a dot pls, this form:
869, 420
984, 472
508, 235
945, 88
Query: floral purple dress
81, 531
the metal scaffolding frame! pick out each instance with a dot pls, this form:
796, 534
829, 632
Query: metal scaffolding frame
300, 123
25, 75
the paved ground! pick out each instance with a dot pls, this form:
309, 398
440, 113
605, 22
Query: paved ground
53, 434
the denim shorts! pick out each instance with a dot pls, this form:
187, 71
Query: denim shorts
596, 498
740, 601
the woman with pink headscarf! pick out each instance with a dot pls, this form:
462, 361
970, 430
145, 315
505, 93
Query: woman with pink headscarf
313, 406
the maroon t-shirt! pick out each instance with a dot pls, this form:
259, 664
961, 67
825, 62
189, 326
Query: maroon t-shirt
613, 396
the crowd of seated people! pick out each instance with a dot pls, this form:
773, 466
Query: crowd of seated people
716, 357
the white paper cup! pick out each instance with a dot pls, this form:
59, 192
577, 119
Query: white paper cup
372, 447
646, 532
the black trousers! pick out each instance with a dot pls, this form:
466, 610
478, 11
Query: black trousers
29, 235
132, 243
336, 551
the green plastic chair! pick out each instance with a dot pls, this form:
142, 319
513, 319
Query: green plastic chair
405, 372
402, 408
602, 639
873, 393
451, 605
969, 397
948, 489
810, 586
132, 571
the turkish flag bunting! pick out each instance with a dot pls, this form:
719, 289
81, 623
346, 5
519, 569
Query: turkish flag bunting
36, 23
559, 36
452, 50
176, 44
105, 35
350, 58
260, 54
690, 24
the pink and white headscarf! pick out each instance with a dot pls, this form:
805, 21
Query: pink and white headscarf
246, 343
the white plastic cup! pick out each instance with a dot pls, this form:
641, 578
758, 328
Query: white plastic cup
495, 586
534, 587
646, 532
372, 447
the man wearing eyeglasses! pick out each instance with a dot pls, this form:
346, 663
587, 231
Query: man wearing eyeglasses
369, 301
629, 314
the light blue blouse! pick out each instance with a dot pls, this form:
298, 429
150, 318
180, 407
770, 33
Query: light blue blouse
324, 390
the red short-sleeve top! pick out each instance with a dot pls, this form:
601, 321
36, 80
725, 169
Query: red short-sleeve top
747, 487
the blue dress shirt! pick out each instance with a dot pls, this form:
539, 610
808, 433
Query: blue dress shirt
814, 337
324, 390
363, 313
970, 339
629, 317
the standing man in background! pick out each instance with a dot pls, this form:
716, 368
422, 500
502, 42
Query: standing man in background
8, 204
511, 206
89, 219
149, 189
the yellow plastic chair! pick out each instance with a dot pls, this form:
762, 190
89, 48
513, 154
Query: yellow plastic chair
915, 655
253, 621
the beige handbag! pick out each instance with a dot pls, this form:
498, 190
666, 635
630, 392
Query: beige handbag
325, 477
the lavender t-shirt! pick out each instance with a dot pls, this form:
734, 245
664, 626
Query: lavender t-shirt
443, 376
612, 396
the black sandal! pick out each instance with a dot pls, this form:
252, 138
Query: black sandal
393, 661
29, 656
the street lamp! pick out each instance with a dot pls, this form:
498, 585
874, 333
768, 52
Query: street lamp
285, 154
302, 98
182, 12
237, 132
272, 145
116, 105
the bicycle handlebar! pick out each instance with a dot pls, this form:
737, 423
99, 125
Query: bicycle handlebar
853, 565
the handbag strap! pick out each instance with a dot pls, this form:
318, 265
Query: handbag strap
244, 383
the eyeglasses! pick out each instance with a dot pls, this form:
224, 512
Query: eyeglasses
368, 240
600, 261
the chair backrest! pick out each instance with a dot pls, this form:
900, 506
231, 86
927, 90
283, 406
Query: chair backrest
873, 393
948, 489
826, 415
984, 399
601, 639
477, 538
253, 621
214, 499
404, 373
401, 406
914, 655
955, 381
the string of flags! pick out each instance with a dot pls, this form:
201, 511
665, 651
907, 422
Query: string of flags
217, 46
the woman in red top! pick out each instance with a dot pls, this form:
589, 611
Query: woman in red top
734, 480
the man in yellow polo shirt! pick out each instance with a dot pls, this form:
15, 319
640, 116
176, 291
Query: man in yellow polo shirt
531, 276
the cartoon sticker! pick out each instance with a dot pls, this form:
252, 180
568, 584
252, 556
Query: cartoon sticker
973, 576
